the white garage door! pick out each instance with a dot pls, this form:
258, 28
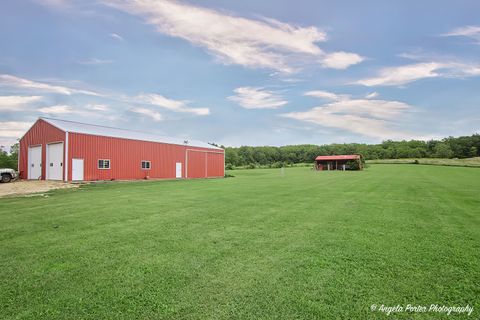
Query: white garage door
35, 162
55, 161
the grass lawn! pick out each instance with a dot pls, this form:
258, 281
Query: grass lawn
256, 246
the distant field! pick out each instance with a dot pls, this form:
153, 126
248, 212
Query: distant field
469, 162
261, 245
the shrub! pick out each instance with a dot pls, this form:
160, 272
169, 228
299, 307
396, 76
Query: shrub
352, 165
278, 164
229, 166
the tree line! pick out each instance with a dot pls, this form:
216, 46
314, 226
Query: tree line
9, 159
460, 147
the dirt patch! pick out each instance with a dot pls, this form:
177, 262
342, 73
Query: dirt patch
27, 187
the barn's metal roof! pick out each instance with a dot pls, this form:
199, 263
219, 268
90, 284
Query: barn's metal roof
78, 127
339, 157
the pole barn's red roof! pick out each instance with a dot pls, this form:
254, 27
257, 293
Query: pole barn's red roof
339, 157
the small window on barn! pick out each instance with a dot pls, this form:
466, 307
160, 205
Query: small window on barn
145, 165
103, 164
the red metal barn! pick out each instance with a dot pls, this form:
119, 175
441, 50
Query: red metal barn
55, 149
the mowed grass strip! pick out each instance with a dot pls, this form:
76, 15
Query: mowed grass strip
262, 245
467, 162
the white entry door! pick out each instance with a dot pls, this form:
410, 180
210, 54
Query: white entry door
55, 161
35, 162
77, 169
178, 172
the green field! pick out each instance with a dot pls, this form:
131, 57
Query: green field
260, 245
467, 162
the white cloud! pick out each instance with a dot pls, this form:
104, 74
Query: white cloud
96, 61
57, 109
170, 104
90, 111
257, 98
16, 103
162, 101
21, 83
372, 118
341, 60
462, 70
396, 76
325, 95
97, 107
96, 111
154, 115
151, 99
380, 109
472, 32
63, 109
372, 95
291, 80
265, 43
12, 130
116, 36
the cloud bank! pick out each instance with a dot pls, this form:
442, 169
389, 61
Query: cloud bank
257, 98
170, 104
368, 117
16, 103
472, 32
22, 83
401, 75
265, 43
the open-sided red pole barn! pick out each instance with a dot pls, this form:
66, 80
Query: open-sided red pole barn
338, 162
54, 149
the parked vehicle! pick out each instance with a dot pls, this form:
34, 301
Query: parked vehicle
8, 175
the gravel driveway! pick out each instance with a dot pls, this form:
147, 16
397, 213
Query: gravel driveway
33, 186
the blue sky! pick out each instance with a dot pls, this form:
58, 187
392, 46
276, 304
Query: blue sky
244, 72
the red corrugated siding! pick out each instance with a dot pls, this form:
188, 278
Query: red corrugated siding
205, 163
126, 155
41, 133
196, 164
215, 165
